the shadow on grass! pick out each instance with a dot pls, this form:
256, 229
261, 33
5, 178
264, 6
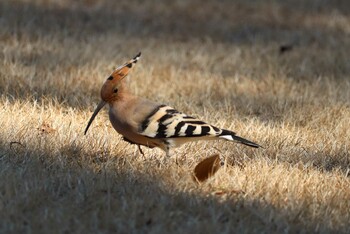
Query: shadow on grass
79, 191
295, 155
234, 23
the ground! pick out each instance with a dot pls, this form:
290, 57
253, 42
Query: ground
275, 72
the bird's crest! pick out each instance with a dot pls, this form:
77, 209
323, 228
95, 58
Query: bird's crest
123, 70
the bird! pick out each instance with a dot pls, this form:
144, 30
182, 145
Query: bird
147, 123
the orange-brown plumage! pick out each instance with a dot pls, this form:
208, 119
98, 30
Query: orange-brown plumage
150, 124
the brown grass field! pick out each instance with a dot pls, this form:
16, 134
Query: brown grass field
223, 61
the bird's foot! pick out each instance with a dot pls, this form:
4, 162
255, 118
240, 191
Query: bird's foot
141, 152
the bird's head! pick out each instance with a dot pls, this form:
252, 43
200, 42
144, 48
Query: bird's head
113, 86
114, 83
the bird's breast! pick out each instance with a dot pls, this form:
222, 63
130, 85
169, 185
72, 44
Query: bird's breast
123, 125
119, 122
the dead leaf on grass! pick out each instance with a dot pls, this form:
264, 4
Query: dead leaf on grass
207, 168
228, 192
45, 128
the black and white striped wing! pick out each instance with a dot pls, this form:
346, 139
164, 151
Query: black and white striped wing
166, 122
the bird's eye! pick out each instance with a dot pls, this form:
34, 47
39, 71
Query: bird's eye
115, 90
110, 78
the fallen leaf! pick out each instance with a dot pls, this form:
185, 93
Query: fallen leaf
45, 128
207, 168
285, 48
228, 192
219, 193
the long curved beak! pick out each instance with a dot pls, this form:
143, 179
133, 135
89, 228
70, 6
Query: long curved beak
98, 108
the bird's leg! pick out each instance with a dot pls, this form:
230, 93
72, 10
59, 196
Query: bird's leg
143, 155
167, 152
166, 148
168, 155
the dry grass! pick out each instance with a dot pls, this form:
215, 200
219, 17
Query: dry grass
220, 61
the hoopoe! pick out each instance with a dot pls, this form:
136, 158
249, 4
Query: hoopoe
147, 123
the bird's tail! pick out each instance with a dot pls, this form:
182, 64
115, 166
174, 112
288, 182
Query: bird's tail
231, 136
